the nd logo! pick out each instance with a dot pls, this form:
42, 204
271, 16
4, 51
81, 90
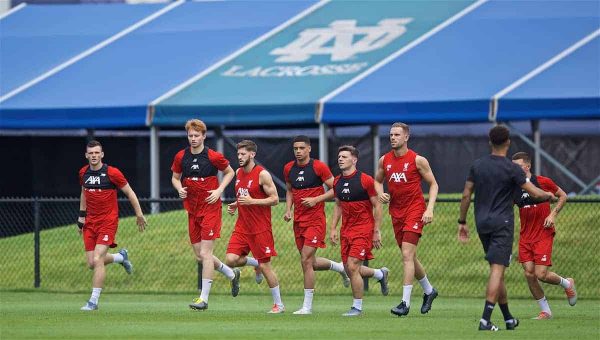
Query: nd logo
317, 41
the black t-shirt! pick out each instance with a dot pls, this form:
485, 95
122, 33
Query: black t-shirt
495, 179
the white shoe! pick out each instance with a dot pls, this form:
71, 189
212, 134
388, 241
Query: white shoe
258, 276
277, 309
303, 311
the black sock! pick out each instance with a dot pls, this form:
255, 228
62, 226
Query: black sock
487, 311
505, 311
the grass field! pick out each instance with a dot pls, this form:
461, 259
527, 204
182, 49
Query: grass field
30, 315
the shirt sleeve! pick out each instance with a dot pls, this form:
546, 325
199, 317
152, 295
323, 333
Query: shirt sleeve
322, 171
218, 160
368, 184
547, 184
518, 175
81, 173
116, 177
176, 166
471, 175
286, 171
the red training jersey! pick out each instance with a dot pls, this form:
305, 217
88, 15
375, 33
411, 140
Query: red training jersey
533, 215
252, 219
307, 181
354, 192
199, 175
100, 190
404, 184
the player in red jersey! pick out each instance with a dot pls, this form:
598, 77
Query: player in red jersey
194, 177
537, 237
255, 193
357, 204
304, 180
99, 217
403, 170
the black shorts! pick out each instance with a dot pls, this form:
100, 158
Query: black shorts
497, 245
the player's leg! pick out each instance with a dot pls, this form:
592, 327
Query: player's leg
408, 259
99, 254
307, 260
543, 259
204, 255
353, 268
509, 320
429, 293
273, 282
536, 289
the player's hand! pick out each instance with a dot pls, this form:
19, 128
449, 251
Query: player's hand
463, 233
287, 216
231, 208
377, 239
333, 237
427, 217
553, 198
141, 223
384, 198
182, 192
80, 224
309, 201
214, 196
245, 200
549, 221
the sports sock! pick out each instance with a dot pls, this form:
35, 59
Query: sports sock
336, 266
251, 261
544, 306
487, 311
276, 296
505, 311
426, 285
407, 290
226, 270
206, 285
377, 274
95, 295
357, 303
565, 283
117, 258
308, 298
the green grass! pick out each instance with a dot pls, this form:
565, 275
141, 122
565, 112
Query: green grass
164, 260
29, 315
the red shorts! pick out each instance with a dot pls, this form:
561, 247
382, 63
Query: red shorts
406, 228
100, 232
539, 252
204, 227
357, 246
261, 245
309, 234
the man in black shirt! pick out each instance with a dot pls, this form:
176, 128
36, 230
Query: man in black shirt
494, 179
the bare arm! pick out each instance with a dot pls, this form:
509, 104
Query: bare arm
289, 202
379, 178
335, 218
266, 181
326, 196
562, 199
82, 207
536, 193
465, 202
214, 195
377, 214
176, 182
141, 220
429, 178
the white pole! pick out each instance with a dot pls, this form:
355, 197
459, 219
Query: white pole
154, 168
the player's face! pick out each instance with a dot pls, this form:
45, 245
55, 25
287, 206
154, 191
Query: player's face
522, 164
398, 137
301, 151
346, 160
196, 138
94, 155
245, 156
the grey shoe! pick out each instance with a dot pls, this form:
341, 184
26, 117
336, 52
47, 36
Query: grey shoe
126, 263
488, 327
401, 310
89, 306
235, 283
199, 304
345, 279
353, 312
384, 281
428, 300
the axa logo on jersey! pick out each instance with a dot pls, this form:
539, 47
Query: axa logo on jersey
398, 177
243, 192
93, 180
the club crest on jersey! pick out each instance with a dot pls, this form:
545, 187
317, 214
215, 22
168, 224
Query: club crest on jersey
406, 166
398, 177
93, 180
388, 167
237, 181
249, 183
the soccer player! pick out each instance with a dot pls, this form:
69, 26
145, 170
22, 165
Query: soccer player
494, 179
357, 204
537, 236
255, 193
194, 177
99, 217
403, 170
304, 180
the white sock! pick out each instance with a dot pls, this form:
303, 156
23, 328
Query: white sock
308, 298
378, 274
227, 271
206, 284
95, 295
251, 261
565, 283
483, 321
276, 296
357, 303
336, 266
427, 287
117, 258
406, 294
544, 306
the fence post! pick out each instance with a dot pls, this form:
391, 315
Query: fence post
36, 243
199, 276
366, 279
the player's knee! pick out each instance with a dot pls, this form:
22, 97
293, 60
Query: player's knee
90, 264
97, 261
541, 274
529, 274
204, 254
231, 259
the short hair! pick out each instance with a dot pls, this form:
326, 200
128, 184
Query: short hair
301, 139
522, 155
353, 151
93, 143
248, 145
499, 134
196, 125
403, 126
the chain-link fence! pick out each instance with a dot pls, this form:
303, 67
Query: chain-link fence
42, 248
